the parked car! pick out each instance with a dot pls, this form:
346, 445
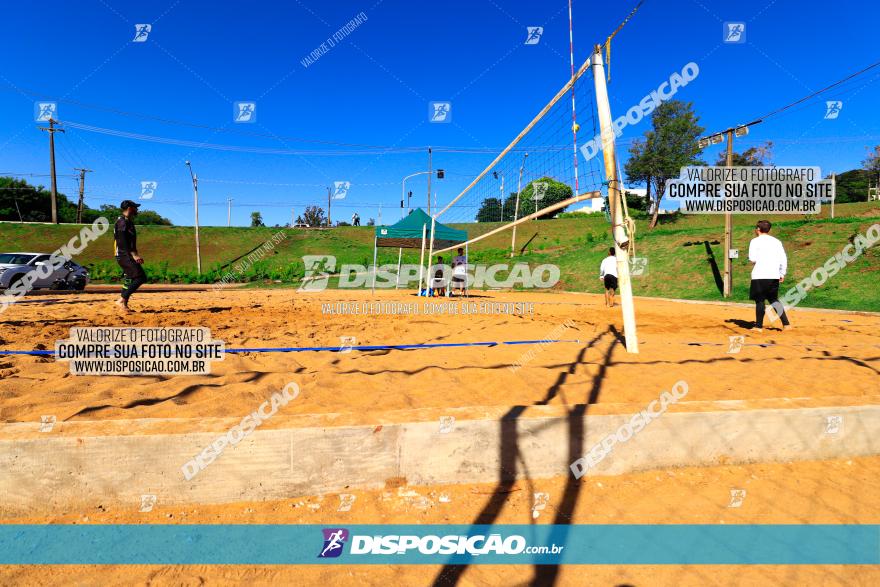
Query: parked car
14, 266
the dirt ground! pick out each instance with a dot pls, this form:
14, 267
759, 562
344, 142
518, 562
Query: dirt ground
827, 492
827, 355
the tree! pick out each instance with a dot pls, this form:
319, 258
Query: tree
256, 219
34, 203
314, 216
490, 210
872, 165
852, 186
669, 145
751, 157
554, 193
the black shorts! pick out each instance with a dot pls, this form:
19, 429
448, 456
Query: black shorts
764, 289
610, 282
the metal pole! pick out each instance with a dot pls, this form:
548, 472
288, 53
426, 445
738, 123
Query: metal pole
402, 197
422, 258
52, 130
375, 253
195, 182
198, 244
516, 209
430, 251
430, 173
229, 212
329, 197
82, 186
621, 243
728, 228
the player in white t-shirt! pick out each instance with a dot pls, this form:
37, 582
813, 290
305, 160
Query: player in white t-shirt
608, 275
768, 255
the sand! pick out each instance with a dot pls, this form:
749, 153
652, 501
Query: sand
830, 358
828, 355
830, 492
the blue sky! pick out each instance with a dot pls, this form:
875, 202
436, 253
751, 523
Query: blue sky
373, 87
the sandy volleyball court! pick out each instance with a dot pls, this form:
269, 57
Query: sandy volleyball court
830, 355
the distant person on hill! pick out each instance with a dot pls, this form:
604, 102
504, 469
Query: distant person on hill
608, 275
768, 255
125, 246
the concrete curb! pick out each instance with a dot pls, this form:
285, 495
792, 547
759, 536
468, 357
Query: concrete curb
56, 474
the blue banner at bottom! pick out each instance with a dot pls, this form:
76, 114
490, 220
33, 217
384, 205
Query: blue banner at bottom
155, 544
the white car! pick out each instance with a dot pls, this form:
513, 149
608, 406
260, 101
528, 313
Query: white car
14, 266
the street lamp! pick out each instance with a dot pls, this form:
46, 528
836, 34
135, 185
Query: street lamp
441, 173
195, 182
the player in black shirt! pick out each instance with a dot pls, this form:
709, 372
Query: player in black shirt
125, 244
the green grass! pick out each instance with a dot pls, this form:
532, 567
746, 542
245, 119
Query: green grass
577, 245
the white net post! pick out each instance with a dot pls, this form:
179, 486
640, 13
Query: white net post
621, 242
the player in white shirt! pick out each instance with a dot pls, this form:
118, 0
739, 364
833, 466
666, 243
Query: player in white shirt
608, 275
768, 255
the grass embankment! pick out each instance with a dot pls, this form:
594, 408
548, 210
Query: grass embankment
682, 252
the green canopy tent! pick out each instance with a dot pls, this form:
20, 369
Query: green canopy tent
410, 233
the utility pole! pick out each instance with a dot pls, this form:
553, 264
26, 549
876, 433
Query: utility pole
292, 217
329, 198
195, 180
52, 130
621, 241
728, 227
516, 209
82, 187
380, 215
430, 173
228, 212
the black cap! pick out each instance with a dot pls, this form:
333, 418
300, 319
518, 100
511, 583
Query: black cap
128, 204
